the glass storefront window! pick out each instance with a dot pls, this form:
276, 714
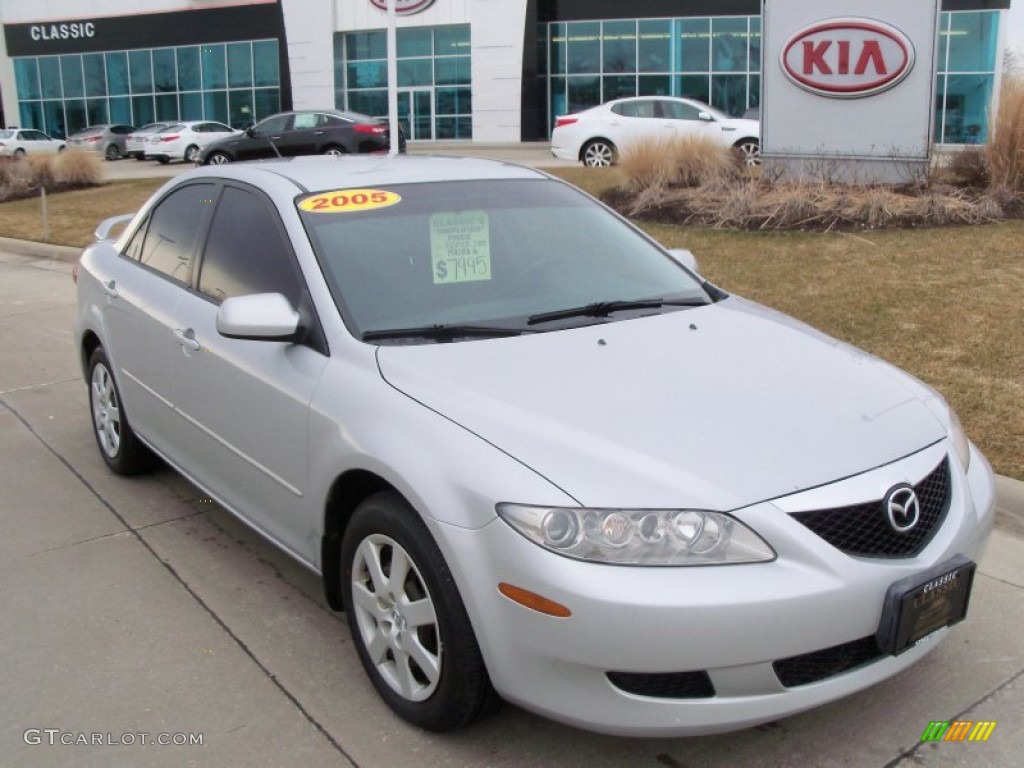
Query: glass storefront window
71, 75
140, 68
557, 49
95, 75
695, 87
117, 73
654, 85
26, 79
143, 109
584, 91
165, 78
967, 100
972, 42
754, 62
618, 86
239, 65
618, 44
584, 47
729, 93
729, 44
49, 76
434, 72
166, 107
415, 42
188, 70
96, 112
267, 102
693, 45
266, 69
214, 64
655, 45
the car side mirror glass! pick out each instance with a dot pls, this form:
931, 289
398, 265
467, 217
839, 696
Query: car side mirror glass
258, 317
705, 116
250, 131
685, 258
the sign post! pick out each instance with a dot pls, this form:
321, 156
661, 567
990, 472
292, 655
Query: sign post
392, 78
848, 89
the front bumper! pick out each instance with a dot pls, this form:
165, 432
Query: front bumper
730, 622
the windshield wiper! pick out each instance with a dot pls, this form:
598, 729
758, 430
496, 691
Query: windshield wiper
445, 332
605, 308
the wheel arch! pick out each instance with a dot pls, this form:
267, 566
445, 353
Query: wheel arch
346, 493
89, 343
591, 140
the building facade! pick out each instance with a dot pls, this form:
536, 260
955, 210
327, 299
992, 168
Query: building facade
480, 70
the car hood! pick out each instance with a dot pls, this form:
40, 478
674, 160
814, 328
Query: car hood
718, 407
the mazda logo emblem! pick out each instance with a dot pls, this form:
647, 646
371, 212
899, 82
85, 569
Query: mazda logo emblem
903, 509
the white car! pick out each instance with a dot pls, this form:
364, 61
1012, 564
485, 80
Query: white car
18, 142
135, 144
183, 141
596, 136
532, 454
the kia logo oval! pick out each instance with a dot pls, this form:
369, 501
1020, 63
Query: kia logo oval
847, 58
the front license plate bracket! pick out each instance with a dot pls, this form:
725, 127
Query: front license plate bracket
921, 604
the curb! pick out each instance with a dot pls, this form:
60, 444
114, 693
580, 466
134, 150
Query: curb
40, 250
1009, 492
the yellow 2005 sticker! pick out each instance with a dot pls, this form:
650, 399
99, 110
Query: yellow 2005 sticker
348, 200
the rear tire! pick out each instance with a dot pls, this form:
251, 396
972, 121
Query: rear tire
120, 448
191, 153
218, 158
334, 151
408, 622
19, 153
598, 153
113, 152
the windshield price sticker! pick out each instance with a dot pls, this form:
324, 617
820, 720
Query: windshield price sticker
348, 200
460, 247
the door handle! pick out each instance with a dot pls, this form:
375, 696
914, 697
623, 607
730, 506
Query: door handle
187, 339
318, 133
110, 288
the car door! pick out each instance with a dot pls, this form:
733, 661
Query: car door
635, 120
244, 405
257, 143
306, 131
683, 119
142, 289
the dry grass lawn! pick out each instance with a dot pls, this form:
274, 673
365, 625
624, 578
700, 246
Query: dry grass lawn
944, 304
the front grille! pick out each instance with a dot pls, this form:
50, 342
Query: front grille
819, 665
664, 685
864, 529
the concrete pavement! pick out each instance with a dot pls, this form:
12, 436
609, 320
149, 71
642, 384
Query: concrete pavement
137, 607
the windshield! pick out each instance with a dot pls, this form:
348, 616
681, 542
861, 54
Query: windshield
485, 254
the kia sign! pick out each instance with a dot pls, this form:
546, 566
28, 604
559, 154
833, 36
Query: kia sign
848, 58
405, 7
847, 88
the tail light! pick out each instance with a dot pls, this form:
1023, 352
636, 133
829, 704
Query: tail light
374, 129
169, 138
564, 120
92, 138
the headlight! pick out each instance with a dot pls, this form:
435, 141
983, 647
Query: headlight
960, 443
639, 536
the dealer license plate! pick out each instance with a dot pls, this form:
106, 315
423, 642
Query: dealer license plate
921, 604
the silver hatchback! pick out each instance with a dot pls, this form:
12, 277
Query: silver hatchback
532, 454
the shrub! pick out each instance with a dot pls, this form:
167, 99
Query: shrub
78, 169
688, 161
1005, 150
967, 168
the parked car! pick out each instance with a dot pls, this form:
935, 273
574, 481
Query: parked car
18, 142
596, 136
183, 141
314, 132
135, 143
532, 454
109, 139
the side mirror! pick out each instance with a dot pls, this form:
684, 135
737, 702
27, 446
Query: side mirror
258, 317
250, 131
705, 116
685, 258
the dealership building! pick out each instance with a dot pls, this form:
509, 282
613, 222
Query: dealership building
480, 70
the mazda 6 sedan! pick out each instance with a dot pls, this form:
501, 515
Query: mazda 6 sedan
533, 455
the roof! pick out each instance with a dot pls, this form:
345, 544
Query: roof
320, 172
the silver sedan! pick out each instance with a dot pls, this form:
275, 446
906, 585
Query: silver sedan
532, 454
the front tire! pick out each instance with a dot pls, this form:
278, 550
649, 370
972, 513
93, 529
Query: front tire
120, 448
598, 153
218, 158
113, 152
408, 622
334, 151
749, 151
191, 154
